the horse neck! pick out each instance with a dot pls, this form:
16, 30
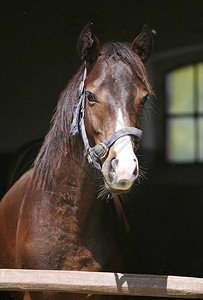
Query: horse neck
76, 185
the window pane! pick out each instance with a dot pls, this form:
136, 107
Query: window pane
180, 140
200, 131
179, 85
200, 86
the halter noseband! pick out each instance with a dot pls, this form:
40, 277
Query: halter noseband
98, 152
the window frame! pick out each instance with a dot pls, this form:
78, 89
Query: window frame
159, 66
194, 116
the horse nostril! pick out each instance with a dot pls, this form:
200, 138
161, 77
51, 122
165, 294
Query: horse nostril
114, 164
112, 169
136, 171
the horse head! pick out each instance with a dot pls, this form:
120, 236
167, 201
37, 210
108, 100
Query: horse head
115, 90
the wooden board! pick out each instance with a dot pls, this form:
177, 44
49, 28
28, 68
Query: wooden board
101, 283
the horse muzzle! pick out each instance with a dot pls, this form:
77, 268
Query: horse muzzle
120, 176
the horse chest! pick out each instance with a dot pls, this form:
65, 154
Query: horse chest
91, 250
83, 260
91, 255
57, 241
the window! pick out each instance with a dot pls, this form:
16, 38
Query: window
184, 114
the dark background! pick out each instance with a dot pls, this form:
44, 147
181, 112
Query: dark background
38, 57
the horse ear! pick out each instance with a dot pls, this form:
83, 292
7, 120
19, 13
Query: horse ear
88, 44
142, 44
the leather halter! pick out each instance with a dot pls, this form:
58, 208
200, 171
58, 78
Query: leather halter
98, 152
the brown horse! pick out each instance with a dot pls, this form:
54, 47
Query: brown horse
56, 216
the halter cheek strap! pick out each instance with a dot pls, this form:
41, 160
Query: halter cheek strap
98, 152
80, 106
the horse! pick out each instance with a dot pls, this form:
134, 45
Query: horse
65, 212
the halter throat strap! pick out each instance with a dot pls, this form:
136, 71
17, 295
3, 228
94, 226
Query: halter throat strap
97, 153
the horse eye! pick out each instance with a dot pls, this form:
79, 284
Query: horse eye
91, 98
144, 99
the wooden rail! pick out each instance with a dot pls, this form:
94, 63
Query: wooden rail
100, 283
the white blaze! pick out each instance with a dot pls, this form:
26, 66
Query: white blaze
127, 161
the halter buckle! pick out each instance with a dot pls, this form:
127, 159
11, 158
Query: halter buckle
100, 150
